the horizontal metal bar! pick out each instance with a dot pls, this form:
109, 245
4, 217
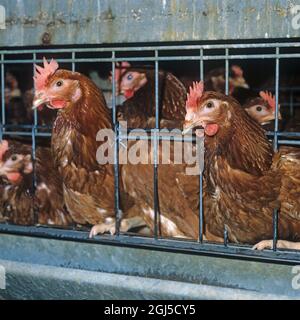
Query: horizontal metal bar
153, 48
289, 142
296, 88
25, 126
175, 245
162, 138
167, 58
25, 134
288, 134
287, 104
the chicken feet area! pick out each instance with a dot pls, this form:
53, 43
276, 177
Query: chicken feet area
281, 244
110, 226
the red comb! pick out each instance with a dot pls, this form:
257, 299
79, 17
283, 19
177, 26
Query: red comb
121, 69
269, 98
3, 148
42, 73
237, 70
194, 95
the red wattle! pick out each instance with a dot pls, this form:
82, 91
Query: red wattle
211, 129
58, 104
14, 176
128, 93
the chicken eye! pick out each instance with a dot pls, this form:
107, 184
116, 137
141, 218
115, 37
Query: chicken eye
14, 157
59, 83
129, 77
209, 105
259, 108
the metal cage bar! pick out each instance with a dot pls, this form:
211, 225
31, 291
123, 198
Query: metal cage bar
155, 151
2, 95
226, 72
201, 218
116, 150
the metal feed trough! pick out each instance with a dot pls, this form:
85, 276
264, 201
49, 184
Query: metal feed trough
44, 262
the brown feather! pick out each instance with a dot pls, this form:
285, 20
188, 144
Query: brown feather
139, 110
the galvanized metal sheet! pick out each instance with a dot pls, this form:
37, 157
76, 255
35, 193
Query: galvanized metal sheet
32, 281
67, 22
31, 266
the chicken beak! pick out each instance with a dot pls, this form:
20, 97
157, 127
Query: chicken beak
38, 100
187, 126
186, 129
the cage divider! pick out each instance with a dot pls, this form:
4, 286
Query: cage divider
226, 72
201, 218
2, 95
276, 128
116, 149
275, 229
155, 166
225, 236
73, 61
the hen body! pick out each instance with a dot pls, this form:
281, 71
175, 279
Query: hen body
88, 187
178, 194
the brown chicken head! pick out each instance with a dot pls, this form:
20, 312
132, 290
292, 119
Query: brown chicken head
263, 108
13, 165
56, 88
209, 110
128, 81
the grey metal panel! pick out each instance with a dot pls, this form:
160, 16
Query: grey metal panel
244, 277
62, 22
27, 281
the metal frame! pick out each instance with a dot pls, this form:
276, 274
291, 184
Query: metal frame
198, 247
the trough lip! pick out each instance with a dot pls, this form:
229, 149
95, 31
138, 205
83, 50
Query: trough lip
231, 251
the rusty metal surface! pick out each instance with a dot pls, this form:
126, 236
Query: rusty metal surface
61, 22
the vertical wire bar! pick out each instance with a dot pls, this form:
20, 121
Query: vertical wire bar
35, 113
155, 169
116, 149
201, 173
225, 236
226, 72
34, 178
292, 103
73, 62
201, 65
33, 152
275, 144
275, 229
2, 97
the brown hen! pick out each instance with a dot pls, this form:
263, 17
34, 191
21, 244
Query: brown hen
245, 180
87, 186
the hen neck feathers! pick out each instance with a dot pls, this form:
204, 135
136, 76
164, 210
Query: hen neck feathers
243, 145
